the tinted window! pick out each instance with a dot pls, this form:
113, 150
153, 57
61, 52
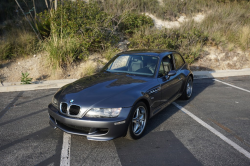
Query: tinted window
179, 62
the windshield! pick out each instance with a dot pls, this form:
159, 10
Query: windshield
133, 64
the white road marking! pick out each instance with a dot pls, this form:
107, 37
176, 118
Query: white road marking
65, 153
232, 85
213, 130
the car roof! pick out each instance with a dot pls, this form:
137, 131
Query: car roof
154, 52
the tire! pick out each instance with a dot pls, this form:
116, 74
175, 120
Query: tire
188, 90
139, 117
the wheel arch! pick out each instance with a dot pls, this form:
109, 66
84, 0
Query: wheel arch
146, 102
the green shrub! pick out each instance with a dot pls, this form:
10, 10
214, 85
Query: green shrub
76, 28
134, 21
44, 24
188, 43
6, 51
64, 51
226, 24
18, 42
110, 53
73, 17
25, 78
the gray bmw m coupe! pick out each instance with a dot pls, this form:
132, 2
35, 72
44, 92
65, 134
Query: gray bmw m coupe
120, 99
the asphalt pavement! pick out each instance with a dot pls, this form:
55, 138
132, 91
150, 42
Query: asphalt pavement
172, 137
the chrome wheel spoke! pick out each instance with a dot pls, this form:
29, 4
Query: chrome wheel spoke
141, 117
136, 126
142, 123
189, 88
137, 113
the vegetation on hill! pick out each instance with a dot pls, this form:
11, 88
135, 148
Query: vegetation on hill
76, 28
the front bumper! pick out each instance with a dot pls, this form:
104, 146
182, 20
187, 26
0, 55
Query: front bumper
99, 129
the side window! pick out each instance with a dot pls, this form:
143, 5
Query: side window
166, 65
179, 62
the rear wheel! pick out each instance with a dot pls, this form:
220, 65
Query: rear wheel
188, 90
137, 122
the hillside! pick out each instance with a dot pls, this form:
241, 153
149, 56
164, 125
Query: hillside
77, 38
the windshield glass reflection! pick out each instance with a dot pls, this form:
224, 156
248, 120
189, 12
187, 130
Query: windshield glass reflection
133, 64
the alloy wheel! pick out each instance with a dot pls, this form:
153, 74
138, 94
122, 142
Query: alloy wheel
139, 120
189, 88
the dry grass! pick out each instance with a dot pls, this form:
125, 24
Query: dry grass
17, 42
225, 24
63, 51
89, 68
121, 6
245, 37
110, 53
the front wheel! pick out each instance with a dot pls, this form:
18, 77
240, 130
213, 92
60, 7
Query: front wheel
137, 122
188, 90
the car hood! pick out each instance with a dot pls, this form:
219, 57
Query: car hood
91, 90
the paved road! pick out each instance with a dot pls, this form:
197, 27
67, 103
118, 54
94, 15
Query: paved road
172, 137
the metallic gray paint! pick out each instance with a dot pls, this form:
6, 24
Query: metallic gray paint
115, 90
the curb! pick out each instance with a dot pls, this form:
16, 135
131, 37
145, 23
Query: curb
220, 73
16, 86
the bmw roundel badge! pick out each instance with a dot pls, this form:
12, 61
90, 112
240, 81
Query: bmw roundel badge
71, 101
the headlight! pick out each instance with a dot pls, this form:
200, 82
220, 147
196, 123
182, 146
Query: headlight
103, 112
55, 102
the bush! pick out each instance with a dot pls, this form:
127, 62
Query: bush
134, 21
44, 24
64, 51
188, 43
6, 50
76, 28
110, 53
18, 42
226, 24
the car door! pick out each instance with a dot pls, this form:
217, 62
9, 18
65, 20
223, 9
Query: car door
179, 63
170, 85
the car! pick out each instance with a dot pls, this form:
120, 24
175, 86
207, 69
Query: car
119, 100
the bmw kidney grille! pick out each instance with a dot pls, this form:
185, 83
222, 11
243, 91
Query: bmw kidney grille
64, 108
73, 109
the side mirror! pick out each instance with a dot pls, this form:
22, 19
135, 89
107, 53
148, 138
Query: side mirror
171, 73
